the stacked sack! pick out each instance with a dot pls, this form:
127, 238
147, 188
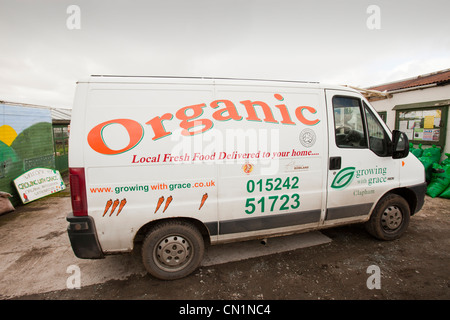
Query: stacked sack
436, 174
446, 164
428, 157
417, 152
440, 180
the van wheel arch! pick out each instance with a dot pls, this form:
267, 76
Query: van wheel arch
172, 249
142, 232
390, 217
406, 194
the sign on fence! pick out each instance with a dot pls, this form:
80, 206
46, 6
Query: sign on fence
37, 183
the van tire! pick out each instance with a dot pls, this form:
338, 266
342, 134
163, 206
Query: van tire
390, 218
172, 250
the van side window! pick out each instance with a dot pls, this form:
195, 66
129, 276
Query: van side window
349, 124
379, 141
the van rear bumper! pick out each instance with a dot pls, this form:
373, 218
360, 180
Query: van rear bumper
83, 237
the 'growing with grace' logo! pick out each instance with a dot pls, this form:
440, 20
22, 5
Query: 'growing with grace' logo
368, 176
343, 178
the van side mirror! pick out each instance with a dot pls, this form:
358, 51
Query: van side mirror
400, 144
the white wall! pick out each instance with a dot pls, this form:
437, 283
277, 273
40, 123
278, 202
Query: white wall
414, 96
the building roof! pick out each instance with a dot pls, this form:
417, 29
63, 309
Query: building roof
436, 78
57, 114
61, 114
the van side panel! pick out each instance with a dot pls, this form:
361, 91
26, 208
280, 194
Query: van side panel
150, 180
245, 158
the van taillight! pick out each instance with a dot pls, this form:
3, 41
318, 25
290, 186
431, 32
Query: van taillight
78, 191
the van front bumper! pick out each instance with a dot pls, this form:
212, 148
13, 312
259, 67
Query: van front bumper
83, 237
419, 190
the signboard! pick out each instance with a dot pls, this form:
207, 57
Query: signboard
421, 125
37, 183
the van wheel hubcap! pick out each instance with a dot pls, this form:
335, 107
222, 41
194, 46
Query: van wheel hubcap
392, 218
173, 252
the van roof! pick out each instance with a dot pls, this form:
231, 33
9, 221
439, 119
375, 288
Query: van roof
199, 80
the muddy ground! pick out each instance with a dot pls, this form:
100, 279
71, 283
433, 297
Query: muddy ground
417, 266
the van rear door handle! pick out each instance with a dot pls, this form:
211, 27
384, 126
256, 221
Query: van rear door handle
335, 163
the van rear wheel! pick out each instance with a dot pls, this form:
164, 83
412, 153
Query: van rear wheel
172, 250
390, 218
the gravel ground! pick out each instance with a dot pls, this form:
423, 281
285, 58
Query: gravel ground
414, 267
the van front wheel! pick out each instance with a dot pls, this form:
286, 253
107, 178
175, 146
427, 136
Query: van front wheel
172, 250
390, 218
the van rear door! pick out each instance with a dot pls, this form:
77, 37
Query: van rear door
360, 168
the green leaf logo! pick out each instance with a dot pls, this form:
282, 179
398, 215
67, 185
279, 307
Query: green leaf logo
343, 178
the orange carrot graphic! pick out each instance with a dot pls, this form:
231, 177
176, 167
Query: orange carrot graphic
169, 200
160, 201
205, 196
108, 204
115, 204
122, 204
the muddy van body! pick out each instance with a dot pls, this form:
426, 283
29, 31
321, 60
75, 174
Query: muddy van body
180, 163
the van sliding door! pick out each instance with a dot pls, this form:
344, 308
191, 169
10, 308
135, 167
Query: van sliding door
272, 179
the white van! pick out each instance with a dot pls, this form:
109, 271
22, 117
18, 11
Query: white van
177, 163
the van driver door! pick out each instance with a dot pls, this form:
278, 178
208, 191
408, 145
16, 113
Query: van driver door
360, 165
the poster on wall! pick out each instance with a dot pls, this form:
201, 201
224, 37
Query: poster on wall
37, 183
422, 125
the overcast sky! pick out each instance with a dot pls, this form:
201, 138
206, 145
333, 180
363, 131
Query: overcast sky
328, 41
